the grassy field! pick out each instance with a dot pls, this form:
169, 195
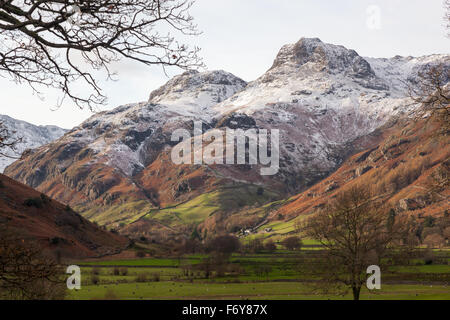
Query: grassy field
178, 278
238, 291
205, 205
119, 214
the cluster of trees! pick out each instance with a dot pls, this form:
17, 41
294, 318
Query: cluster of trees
257, 245
434, 232
227, 244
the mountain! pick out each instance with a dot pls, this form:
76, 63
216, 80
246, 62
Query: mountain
326, 100
99, 164
322, 97
55, 226
32, 137
408, 166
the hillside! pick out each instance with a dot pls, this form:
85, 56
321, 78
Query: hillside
409, 163
56, 227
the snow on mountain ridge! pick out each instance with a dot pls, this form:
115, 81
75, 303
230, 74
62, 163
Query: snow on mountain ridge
32, 137
218, 84
397, 71
335, 58
127, 134
320, 96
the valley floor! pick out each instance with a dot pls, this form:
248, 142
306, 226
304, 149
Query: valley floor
169, 290
280, 279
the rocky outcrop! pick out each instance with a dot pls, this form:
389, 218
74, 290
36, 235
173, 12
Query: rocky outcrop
362, 170
410, 204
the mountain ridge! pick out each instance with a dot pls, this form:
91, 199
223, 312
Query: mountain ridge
115, 167
32, 136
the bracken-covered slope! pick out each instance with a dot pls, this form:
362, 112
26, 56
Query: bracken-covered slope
31, 136
408, 164
57, 228
326, 100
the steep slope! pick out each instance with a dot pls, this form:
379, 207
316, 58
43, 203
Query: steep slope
326, 100
409, 165
57, 228
32, 137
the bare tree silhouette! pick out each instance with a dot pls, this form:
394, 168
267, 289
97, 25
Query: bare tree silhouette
25, 273
8, 141
356, 232
432, 91
58, 43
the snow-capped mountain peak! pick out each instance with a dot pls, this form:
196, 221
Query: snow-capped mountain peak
323, 57
31, 136
200, 89
315, 75
129, 137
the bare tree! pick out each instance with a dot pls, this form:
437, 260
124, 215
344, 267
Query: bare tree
292, 243
8, 141
25, 273
355, 233
58, 43
270, 246
224, 245
432, 91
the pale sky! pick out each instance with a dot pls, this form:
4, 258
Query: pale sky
244, 36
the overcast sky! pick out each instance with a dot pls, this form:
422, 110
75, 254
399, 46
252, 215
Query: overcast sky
244, 36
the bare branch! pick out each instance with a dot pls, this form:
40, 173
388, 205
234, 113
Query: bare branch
8, 142
39, 40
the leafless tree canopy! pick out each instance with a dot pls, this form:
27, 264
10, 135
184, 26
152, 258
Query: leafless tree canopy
57, 43
356, 233
432, 91
7, 141
24, 272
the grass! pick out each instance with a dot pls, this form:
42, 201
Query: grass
122, 213
280, 230
283, 280
194, 211
238, 291
200, 208
422, 269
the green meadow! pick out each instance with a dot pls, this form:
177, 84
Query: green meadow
252, 276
